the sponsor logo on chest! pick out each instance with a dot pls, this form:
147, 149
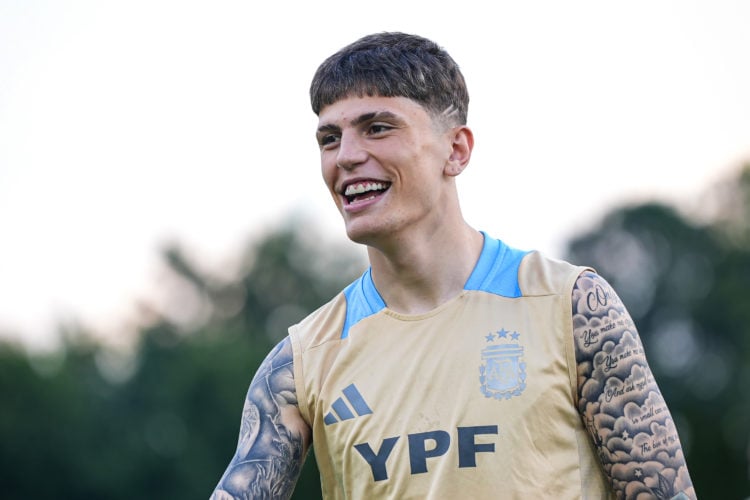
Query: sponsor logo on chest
502, 376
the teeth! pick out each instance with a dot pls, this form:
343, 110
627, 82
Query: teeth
364, 187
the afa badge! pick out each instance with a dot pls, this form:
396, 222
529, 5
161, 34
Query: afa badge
503, 371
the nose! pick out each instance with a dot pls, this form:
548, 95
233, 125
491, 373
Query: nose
350, 151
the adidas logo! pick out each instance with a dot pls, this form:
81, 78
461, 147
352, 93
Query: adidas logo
342, 410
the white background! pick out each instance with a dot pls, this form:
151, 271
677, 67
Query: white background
128, 125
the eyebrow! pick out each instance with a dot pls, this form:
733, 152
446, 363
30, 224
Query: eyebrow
363, 118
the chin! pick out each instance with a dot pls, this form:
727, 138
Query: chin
364, 234
358, 236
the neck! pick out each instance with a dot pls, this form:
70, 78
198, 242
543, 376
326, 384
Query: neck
420, 272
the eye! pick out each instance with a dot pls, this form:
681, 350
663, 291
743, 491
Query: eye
378, 128
327, 141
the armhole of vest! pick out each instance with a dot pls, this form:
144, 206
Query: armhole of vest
584, 445
299, 377
570, 348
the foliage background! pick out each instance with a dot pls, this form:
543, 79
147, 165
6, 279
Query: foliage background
157, 417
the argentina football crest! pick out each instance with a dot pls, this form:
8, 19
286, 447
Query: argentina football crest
503, 371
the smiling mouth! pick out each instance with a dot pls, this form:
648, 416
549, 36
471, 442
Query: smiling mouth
364, 191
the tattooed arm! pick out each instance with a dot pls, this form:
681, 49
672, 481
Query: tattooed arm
273, 437
619, 401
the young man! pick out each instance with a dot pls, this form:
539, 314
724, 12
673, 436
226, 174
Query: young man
456, 366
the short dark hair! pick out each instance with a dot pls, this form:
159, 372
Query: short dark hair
393, 64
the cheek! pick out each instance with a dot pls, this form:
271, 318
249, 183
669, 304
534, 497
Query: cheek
327, 171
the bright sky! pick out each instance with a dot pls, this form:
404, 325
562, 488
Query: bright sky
126, 125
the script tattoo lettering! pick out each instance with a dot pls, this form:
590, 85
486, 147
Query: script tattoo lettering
273, 436
619, 401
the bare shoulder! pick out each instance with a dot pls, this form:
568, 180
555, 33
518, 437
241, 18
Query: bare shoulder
273, 436
619, 401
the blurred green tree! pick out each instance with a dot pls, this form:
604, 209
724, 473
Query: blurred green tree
161, 420
686, 285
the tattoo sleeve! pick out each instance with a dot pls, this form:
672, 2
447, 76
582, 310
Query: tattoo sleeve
273, 437
619, 401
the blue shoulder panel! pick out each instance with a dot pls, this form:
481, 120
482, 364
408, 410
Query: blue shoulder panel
496, 272
362, 300
497, 269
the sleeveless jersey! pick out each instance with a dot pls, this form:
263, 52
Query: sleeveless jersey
474, 399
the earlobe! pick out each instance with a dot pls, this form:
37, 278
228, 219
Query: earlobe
461, 147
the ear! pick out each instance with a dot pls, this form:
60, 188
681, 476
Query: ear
462, 144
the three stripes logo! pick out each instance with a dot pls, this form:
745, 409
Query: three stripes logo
342, 411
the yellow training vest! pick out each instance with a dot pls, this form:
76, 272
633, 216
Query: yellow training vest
475, 399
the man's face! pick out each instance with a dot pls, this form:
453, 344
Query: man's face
383, 159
